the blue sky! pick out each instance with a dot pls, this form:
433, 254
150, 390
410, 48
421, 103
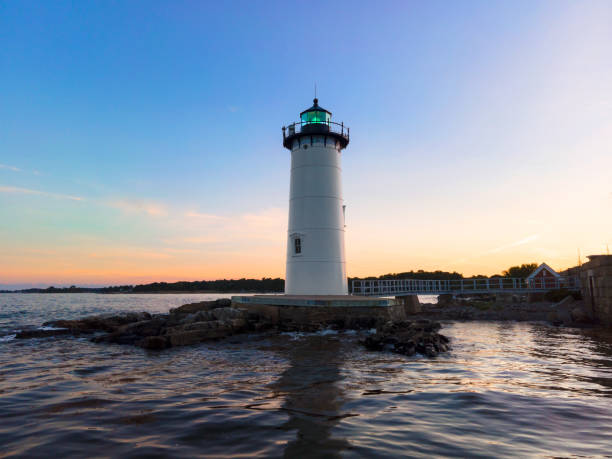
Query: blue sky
475, 126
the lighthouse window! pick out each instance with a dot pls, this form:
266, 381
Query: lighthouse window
297, 245
315, 117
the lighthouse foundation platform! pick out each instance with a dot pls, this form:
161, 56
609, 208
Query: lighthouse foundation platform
311, 312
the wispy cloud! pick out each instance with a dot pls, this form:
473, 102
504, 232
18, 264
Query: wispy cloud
17, 190
525, 240
136, 206
10, 168
501, 248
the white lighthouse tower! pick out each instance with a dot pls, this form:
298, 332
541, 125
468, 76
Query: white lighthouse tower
316, 262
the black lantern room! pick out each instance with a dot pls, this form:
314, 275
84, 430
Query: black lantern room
315, 121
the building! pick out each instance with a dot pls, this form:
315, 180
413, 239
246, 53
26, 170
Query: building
544, 277
596, 287
316, 263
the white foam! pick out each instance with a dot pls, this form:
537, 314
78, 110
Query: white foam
300, 335
7, 338
50, 328
293, 335
327, 331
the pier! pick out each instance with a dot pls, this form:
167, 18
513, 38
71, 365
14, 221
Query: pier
402, 287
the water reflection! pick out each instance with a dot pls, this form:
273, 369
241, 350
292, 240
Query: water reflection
312, 396
582, 355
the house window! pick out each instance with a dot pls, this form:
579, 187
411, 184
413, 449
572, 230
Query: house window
297, 245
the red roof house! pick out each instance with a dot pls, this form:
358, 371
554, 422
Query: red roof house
544, 277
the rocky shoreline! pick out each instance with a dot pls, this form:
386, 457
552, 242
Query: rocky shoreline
567, 312
212, 320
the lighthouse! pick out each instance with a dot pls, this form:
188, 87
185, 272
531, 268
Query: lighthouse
316, 263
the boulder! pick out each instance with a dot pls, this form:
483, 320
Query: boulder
99, 323
133, 332
202, 306
578, 315
446, 299
565, 302
199, 316
154, 342
227, 313
38, 333
143, 328
408, 338
185, 338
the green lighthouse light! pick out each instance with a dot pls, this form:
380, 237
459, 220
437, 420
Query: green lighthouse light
315, 115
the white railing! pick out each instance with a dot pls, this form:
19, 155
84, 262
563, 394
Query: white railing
400, 287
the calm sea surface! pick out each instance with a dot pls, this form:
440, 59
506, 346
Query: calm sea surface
506, 389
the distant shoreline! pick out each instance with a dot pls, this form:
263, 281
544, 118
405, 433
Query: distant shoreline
162, 292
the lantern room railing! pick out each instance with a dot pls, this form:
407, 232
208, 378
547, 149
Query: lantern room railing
299, 127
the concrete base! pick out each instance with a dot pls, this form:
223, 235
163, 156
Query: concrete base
411, 303
309, 312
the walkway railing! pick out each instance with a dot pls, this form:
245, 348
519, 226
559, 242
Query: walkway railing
330, 126
402, 287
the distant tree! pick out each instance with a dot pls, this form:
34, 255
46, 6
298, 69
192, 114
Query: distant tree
263, 285
420, 274
522, 271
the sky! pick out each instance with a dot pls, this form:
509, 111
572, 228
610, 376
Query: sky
141, 141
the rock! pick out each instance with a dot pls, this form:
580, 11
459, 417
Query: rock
226, 313
199, 316
578, 315
446, 299
38, 333
535, 297
154, 342
562, 312
143, 328
185, 338
133, 332
238, 324
223, 302
553, 318
188, 324
99, 323
565, 302
408, 338
202, 306
504, 298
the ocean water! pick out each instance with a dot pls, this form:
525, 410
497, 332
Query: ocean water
506, 390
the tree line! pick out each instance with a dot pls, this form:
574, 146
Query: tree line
523, 271
267, 284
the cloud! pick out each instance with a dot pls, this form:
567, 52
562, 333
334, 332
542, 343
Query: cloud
135, 206
10, 168
14, 189
525, 240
